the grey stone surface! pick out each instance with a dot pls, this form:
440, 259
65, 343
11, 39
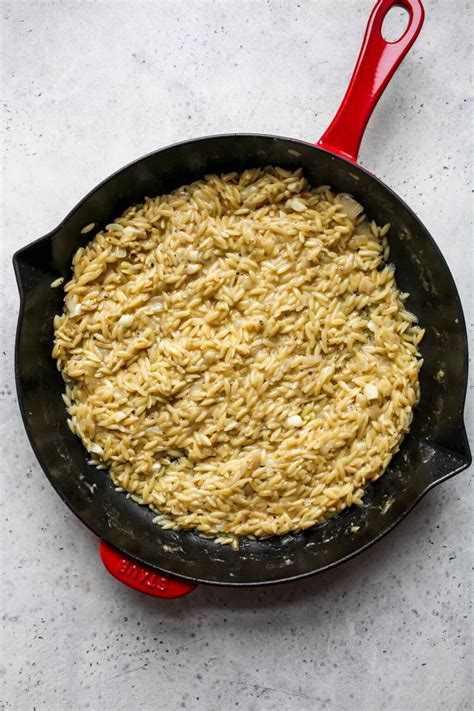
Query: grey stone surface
88, 87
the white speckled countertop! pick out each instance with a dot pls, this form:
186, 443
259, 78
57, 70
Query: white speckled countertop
87, 87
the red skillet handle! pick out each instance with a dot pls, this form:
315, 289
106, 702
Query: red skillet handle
141, 577
378, 60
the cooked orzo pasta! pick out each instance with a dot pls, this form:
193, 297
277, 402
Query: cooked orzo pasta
238, 355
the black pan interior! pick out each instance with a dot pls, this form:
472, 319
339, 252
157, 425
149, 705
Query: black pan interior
435, 448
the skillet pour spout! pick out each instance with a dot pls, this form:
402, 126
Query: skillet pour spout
170, 563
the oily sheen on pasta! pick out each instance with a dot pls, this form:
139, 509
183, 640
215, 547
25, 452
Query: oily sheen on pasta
237, 354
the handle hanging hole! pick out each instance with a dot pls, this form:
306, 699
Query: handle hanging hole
395, 24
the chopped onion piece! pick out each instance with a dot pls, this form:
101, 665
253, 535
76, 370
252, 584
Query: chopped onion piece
125, 321
371, 392
75, 309
294, 421
296, 205
350, 206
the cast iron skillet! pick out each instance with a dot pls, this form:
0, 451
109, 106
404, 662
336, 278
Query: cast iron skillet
134, 549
